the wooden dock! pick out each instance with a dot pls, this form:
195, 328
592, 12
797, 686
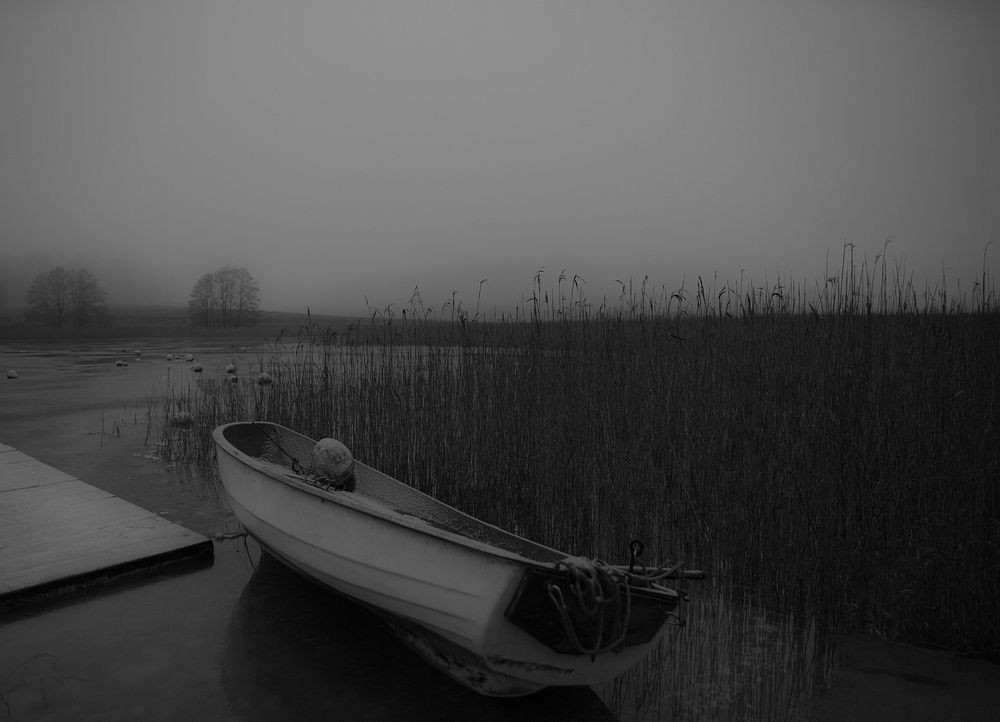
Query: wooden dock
57, 531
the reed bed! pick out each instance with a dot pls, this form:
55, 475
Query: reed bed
732, 662
828, 451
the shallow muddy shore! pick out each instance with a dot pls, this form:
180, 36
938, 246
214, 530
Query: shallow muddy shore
876, 680
246, 639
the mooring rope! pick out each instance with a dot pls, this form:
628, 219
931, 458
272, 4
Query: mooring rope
594, 590
597, 589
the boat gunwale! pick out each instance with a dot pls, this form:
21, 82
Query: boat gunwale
374, 508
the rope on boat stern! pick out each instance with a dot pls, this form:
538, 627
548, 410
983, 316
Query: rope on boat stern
595, 587
598, 589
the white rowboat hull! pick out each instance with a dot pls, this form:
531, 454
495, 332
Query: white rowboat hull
447, 595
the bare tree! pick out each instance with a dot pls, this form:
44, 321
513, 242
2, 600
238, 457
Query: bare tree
87, 299
201, 306
247, 298
61, 297
48, 297
224, 291
228, 297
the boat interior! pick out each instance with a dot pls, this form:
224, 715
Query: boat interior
277, 445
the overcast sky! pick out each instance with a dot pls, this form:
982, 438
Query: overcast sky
339, 150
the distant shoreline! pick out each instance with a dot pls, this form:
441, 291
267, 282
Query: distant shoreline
170, 321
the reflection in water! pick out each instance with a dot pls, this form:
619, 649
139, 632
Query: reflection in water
297, 651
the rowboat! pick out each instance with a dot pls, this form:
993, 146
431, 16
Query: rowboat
499, 613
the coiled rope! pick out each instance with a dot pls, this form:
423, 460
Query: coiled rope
598, 592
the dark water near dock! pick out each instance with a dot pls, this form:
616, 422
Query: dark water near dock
244, 639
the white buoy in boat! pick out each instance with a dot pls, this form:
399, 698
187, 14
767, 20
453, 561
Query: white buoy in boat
196, 368
231, 369
264, 378
189, 357
170, 357
12, 374
332, 461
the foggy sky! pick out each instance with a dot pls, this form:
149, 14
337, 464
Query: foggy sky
340, 150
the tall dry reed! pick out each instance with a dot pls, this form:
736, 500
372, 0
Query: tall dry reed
827, 449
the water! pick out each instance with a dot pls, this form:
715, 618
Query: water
244, 640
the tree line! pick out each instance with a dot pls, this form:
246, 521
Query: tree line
66, 297
59, 297
228, 297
